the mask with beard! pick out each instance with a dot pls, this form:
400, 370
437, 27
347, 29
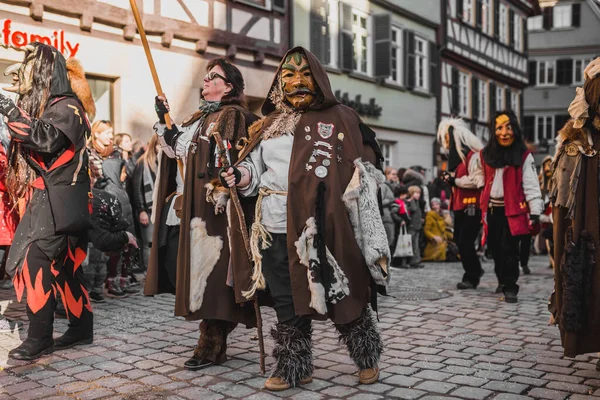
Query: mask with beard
297, 82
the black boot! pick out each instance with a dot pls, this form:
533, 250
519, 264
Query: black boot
364, 345
32, 348
80, 331
293, 352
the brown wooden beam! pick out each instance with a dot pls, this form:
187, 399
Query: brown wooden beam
36, 11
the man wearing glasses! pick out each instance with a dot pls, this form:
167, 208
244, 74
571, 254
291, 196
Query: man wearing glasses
192, 255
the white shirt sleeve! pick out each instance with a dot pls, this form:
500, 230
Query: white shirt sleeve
531, 187
255, 165
182, 145
474, 179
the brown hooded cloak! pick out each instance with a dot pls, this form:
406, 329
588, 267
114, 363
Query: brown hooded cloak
203, 234
350, 140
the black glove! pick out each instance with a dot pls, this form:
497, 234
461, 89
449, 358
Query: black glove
6, 105
449, 179
535, 219
161, 110
236, 172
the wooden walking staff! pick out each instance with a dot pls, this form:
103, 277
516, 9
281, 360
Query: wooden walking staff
242, 221
140, 27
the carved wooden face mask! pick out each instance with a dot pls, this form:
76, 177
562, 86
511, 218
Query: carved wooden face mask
22, 73
297, 81
504, 132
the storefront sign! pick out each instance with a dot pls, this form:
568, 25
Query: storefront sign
18, 39
370, 109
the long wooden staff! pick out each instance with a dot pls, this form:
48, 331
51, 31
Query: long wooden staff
242, 221
140, 27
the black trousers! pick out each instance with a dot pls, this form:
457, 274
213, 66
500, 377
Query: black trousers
466, 231
524, 249
276, 270
505, 250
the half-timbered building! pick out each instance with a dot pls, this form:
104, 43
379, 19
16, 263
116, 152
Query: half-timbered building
382, 59
183, 35
484, 58
562, 41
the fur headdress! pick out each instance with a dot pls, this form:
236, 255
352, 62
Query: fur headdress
463, 137
587, 96
80, 87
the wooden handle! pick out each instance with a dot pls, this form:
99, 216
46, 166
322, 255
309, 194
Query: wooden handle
140, 27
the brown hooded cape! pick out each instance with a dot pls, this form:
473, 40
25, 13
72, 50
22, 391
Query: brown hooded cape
302, 196
575, 304
231, 121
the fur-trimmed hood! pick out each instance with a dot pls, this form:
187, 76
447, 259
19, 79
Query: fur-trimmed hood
80, 87
413, 177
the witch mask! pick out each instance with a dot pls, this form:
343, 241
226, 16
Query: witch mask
22, 73
504, 132
297, 82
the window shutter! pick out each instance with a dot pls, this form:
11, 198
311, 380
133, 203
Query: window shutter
478, 14
547, 13
454, 107
434, 74
497, 19
508, 99
474, 98
383, 45
532, 73
319, 31
492, 89
346, 39
576, 15
525, 36
529, 128
409, 45
279, 6
511, 28
459, 9
564, 72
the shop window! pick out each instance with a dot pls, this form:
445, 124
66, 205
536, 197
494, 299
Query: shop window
103, 97
386, 150
546, 76
562, 16
578, 67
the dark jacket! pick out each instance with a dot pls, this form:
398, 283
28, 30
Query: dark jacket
109, 231
416, 215
412, 177
140, 188
111, 168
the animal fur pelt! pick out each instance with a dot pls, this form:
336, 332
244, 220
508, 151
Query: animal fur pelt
362, 205
310, 259
212, 343
580, 136
576, 269
293, 352
205, 252
217, 195
363, 340
80, 87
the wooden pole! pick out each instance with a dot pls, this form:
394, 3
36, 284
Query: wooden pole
242, 221
140, 27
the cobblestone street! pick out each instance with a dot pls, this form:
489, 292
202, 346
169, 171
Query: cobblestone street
440, 343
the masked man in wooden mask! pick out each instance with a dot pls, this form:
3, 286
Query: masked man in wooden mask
574, 192
511, 199
48, 168
318, 239
463, 165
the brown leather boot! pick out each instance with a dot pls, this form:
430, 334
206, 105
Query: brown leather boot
368, 376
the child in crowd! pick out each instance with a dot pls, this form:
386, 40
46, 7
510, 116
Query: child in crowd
416, 224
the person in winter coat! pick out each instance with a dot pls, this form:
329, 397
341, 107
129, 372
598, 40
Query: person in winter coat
436, 233
400, 216
144, 176
415, 176
108, 235
416, 224
387, 199
115, 174
99, 147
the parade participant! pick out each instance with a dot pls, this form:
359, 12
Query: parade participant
574, 192
463, 165
49, 166
510, 200
546, 226
191, 232
318, 231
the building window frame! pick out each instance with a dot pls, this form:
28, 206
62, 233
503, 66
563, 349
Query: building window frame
548, 67
535, 23
421, 61
515, 102
387, 148
90, 77
548, 129
562, 16
579, 65
464, 94
483, 101
503, 23
397, 60
362, 37
518, 32
487, 16
500, 98
468, 11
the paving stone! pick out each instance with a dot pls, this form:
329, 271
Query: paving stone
471, 393
199, 393
92, 394
509, 387
541, 393
510, 396
436, 387
405, 393
569, 387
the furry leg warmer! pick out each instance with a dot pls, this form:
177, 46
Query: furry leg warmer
212, 343
293, 352
363, 340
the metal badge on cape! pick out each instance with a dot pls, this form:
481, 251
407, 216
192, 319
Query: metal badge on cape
325, 130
